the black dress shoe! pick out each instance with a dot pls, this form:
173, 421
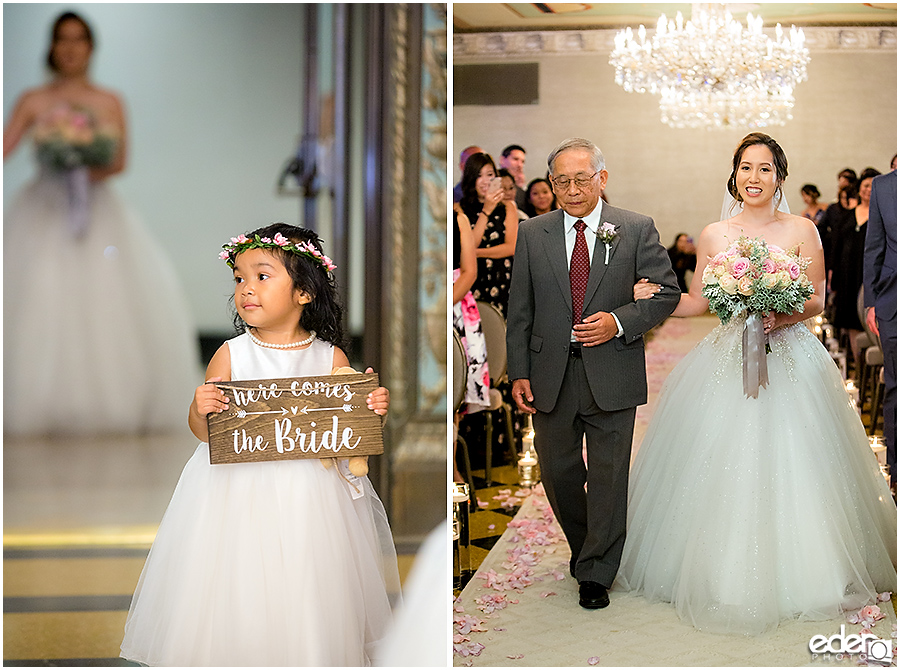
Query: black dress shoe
592, 595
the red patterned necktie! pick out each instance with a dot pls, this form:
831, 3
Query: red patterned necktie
579, 271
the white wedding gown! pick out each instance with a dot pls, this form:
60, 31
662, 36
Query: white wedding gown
743, 512
97, 334
266, 564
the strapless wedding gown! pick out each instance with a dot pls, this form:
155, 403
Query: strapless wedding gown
743, 512
97, 334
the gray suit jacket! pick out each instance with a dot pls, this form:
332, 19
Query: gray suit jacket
880, 267
540, 307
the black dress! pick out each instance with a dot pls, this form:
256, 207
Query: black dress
494, 274
492, 286
848, 242
681, 263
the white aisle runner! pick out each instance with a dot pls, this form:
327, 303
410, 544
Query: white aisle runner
521, 608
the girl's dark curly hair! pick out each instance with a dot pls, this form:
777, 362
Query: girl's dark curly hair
323, 313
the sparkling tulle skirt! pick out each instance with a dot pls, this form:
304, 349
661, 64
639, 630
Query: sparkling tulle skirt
264, 564
743, 512
97, 331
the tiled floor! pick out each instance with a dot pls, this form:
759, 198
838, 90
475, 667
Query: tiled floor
79, 518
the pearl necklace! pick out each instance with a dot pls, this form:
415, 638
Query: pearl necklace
301, 343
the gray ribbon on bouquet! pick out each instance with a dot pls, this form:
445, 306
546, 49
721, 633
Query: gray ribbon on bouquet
756, 373
78, 187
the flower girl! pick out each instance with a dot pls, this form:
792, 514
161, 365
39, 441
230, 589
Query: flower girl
268, 563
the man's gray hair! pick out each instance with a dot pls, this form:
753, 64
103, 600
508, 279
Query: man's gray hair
597, 161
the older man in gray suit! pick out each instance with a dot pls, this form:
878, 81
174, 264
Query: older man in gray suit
576, 353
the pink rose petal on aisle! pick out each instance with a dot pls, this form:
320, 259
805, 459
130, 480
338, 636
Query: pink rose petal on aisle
492, 526
884, 597
482, 504
515, 656
547, 594
593, 660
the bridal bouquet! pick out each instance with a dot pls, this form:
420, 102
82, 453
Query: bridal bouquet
69, 137
753, 277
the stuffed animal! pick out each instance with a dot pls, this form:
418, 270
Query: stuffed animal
359, 465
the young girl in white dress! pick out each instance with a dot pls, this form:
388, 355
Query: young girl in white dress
745, 511
270, 563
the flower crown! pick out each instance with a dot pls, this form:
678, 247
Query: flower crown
242, 243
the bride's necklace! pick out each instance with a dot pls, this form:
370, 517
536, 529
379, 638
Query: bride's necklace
301, 343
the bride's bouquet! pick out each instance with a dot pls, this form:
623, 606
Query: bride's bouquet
753, 277
70, 137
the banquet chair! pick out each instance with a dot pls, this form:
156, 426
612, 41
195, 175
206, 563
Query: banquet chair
460, 380
493, 325
872, 361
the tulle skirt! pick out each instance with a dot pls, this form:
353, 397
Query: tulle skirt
264, 564
97, 332
743, 512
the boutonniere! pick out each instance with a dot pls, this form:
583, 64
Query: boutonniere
606, 233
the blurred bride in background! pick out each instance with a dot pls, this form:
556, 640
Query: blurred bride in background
97, 332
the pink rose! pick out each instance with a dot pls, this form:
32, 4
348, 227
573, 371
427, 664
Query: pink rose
740, 267
793, 270
768, 266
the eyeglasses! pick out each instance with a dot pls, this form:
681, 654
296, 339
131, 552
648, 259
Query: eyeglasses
562, 183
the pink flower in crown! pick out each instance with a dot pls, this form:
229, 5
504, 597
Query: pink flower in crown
224, 256
240, 239
266, 240
740, 267
281, 240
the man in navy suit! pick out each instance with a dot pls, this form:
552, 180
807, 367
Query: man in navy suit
880, 296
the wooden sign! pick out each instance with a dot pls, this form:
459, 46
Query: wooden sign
306, 417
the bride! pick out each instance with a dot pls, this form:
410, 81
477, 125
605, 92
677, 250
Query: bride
745, 511
97, 334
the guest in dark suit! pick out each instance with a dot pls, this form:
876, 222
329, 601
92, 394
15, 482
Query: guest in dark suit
880, 296
580, 370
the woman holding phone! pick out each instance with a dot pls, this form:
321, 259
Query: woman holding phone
494, 223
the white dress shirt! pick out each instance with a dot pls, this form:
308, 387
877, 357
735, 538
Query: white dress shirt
592, 223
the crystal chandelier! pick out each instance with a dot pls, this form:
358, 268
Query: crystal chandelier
712, 72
